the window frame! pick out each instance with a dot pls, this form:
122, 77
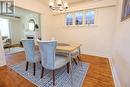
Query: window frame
66, 19
84, 18
85, 12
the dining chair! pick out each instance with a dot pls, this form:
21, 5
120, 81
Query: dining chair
32, 56
49, 59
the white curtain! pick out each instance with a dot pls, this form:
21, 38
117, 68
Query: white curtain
4, 27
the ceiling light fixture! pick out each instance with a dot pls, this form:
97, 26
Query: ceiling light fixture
58, 5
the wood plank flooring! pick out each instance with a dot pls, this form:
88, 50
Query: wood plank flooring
99, 73
9, 78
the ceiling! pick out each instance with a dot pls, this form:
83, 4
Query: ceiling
68, 1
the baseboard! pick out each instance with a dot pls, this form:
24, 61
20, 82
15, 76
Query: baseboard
95, 56
114, 74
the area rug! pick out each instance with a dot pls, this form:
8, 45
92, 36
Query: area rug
62, 77
13, 50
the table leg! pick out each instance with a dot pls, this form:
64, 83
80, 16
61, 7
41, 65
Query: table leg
80, 56
69, 55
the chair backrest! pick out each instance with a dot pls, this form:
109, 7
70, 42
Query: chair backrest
29, 47
47, 51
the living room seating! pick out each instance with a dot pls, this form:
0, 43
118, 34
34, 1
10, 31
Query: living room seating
32, 56
49, 58
6, 42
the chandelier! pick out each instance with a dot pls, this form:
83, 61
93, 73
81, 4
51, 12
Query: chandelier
58, 5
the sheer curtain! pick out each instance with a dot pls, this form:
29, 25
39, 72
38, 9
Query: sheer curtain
4, 27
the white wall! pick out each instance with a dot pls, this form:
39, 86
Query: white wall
16, 31
2, 58
46, 21
95, 40
121, 52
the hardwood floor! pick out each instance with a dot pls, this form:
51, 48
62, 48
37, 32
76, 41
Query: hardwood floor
9, 78
99, 73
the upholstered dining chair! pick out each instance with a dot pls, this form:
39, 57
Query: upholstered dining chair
32, 56
49, 59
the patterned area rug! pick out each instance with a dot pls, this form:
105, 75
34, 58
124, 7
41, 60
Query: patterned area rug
62, 77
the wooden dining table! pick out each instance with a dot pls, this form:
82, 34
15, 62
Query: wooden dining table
68, 48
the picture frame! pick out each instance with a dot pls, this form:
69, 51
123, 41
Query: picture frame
125, 10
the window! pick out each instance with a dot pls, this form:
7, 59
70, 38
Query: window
69, 19
81, 18
4, 27
78, 18
90, 16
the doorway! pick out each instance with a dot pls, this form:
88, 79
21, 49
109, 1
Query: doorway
17, 27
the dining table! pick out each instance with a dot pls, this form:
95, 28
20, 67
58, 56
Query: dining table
69, 48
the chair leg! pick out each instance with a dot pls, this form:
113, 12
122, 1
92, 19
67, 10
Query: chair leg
75, 61
67, 67
27, 65
42, 72
53, 77
34, 66
78, 58
40, 62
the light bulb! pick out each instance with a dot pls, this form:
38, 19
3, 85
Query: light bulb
65, 5
59, 2
51, 4
60, 9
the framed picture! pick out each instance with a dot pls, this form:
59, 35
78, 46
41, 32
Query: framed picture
125, 10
